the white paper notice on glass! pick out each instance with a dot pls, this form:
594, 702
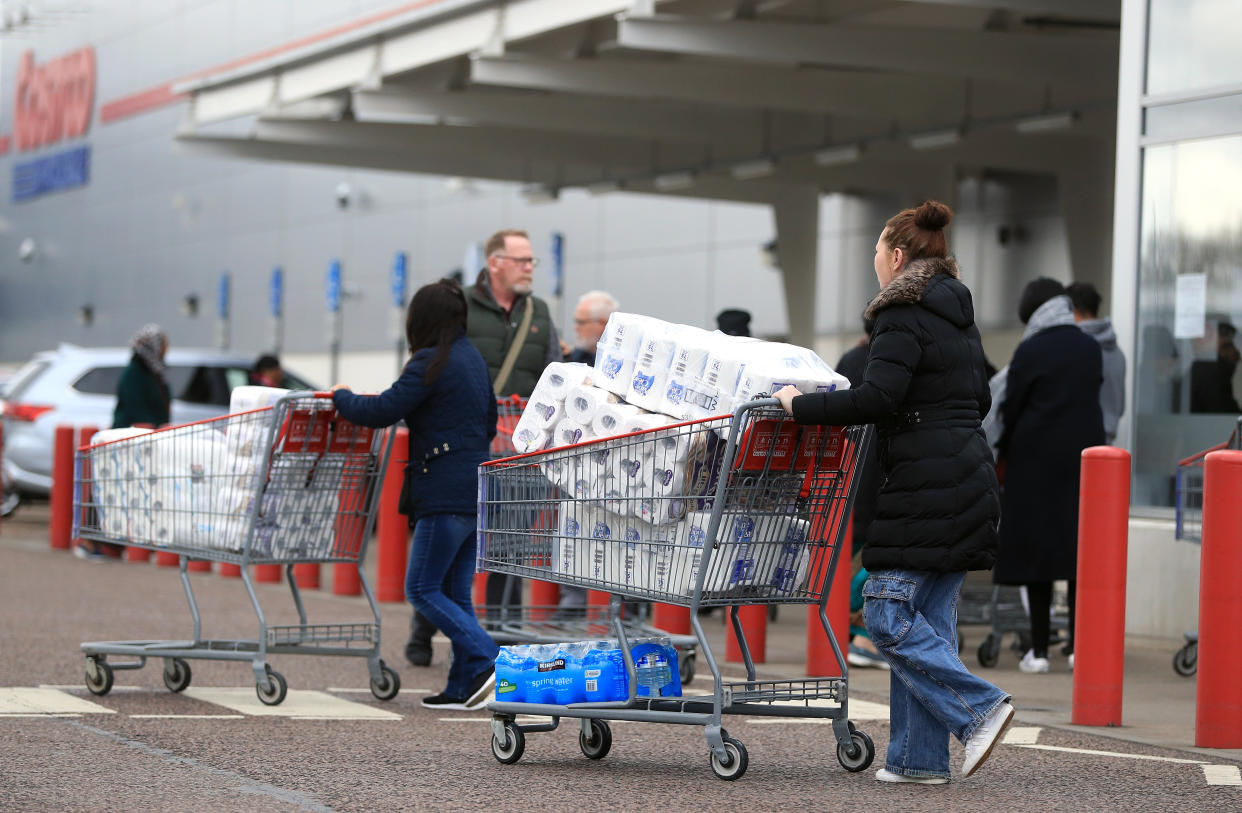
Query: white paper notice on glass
1191, 315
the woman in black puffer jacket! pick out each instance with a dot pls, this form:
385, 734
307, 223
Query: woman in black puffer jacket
926, 390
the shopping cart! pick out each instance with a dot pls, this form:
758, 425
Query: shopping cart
1001, 608
1189, 528
288, 484
513, 622
741, 509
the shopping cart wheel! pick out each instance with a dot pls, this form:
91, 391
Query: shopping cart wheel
989, 651
600, 743
686, 667
736, 760
1186, 660
509, 751
857, 754
272, 691
98, 676
388, 685
176, 674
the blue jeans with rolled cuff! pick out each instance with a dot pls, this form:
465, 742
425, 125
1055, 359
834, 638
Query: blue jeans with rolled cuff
912, 618
438, 582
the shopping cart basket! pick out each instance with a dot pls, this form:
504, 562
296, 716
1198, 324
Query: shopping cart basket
513, 622
1189, 528
288, 484
1001, 608
741, 509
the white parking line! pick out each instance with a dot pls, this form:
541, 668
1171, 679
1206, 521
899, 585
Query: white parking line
1222, 775
1116, 754
187, 716
23, 700
1021, 736
298, 703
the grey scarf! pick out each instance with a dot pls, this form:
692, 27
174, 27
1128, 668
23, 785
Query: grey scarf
1053, 313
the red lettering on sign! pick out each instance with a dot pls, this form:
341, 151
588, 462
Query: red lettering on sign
54, 101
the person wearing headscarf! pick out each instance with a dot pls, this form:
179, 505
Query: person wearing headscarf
142, 394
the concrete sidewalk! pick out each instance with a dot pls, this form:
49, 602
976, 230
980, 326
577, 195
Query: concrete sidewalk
1158, 710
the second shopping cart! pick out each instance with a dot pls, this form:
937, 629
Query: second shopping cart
741, 509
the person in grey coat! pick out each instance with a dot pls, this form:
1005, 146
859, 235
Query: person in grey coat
1086, 302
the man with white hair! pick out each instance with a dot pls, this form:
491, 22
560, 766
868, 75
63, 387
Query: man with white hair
590, 317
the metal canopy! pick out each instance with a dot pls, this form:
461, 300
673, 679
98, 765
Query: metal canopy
769, 101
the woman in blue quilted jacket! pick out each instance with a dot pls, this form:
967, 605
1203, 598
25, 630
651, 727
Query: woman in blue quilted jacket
445, 397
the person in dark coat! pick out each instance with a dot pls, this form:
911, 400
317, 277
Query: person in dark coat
445, 397
925, 389
1051, 412
142, 393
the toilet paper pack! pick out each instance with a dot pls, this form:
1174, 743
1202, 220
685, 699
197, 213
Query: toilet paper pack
618, 349
649, 379
686, 367
114, 469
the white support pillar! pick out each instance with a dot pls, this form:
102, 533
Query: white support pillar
796, 213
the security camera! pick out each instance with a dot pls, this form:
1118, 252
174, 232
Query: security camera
26, 250
343, 193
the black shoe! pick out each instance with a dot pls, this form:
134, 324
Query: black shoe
445, 702
481, 688
417, 654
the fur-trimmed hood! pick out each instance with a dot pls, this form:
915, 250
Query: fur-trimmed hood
933, 282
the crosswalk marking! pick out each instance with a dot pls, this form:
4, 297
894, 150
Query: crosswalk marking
1222, 775
1021, 736
188, 716
44, 701
298, 703
1093, 752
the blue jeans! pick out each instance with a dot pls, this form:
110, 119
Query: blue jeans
912, 618
437, 583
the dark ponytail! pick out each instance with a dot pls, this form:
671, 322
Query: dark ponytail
435, 318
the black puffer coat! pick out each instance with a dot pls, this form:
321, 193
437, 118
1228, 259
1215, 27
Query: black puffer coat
926, 390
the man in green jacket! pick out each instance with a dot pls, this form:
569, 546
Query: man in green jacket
498, 305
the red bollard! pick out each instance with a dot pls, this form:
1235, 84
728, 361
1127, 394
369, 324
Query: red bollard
227, 570
671, 618
392, 528
598, 598
820, 661
198, 566
165, 559
307, 575
544, 597
268, 574
134, 554
1100, 627
479, 590
1218, 698
60, 526
345, 581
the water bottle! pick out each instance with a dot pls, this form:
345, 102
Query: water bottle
541, 686
604, 676
655, 664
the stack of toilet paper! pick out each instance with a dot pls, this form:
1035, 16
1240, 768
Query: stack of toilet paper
114, 479
246, 437
762, 555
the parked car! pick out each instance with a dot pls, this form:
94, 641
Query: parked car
77, 385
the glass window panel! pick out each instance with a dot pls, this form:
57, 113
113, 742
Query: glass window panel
1221, 115
1193, 44
1188, 379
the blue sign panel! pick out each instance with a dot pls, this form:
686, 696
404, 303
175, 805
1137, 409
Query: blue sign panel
278, 291
222, 296
64, 170
332, 286
558, 263
398, 279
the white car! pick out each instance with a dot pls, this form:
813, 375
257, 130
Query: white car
77, 385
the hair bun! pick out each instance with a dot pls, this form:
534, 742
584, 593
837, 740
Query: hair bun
932, 216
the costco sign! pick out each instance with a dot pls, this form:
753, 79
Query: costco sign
54, 102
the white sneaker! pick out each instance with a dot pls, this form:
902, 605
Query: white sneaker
1071, 663
885, 775
979, 746
1033, 665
